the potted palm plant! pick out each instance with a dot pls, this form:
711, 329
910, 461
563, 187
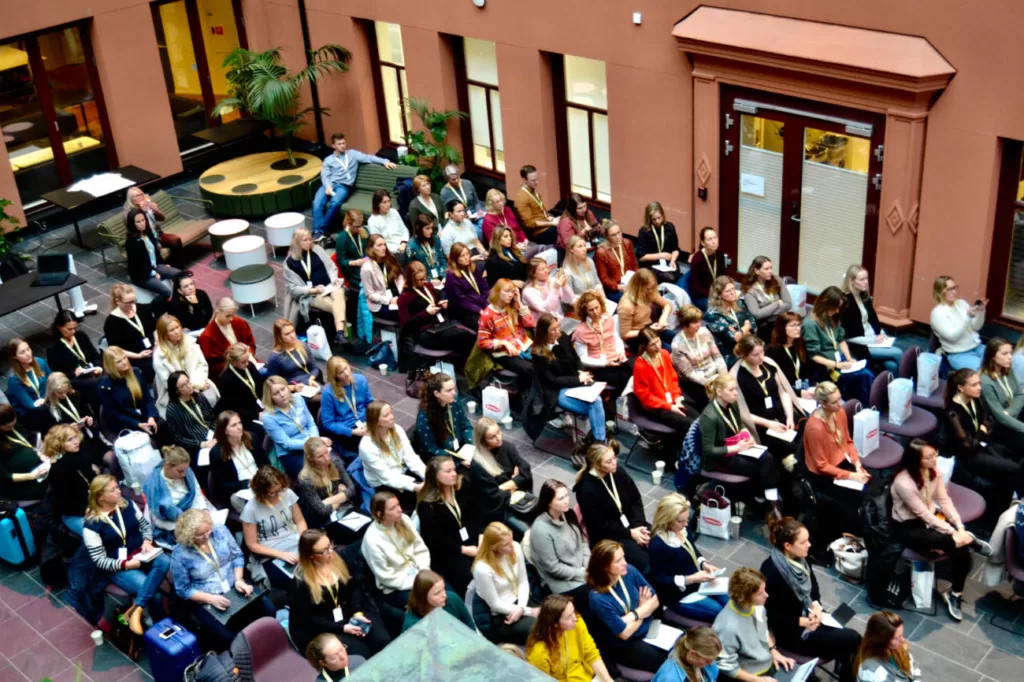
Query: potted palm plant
431, 153
5, 244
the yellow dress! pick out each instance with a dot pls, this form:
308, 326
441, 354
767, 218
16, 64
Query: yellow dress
578, 646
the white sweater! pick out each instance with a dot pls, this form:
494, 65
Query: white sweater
195, 366
957, 332
386, 471
496, 589
394, 562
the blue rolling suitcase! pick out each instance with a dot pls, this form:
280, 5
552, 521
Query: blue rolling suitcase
16, 543
170, 649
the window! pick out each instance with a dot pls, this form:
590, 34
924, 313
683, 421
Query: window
484, 104
586, 105
1006, 276
394, 90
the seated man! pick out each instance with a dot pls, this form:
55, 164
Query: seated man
337, 177
537, 222
224, 329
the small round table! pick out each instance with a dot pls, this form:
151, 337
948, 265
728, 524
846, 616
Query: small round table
224, 230
281, 227
18, 127
253, 284
249, 249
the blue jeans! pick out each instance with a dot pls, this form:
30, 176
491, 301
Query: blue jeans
594, 411
141, 583
75, 524
970, 359
706, 609
889, 357
857, 385
292, 463
322, 218
613, 295
165, 285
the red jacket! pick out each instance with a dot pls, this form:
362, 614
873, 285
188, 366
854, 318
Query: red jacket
213, 343
650, 384
608, 269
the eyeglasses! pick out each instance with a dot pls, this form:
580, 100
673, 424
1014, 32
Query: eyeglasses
323, 552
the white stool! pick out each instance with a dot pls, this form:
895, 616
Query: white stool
253, 284
248, 249
223, 230
281, 228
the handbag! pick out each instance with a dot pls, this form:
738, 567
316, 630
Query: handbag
922, 584
526, 506
851, 556
137, 457
316, 338
415, 382
122, 637
381, 354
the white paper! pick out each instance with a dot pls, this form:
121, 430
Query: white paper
466, 452
257, 364
664, 636
755, 451
587, 394
516, 496
246, 494
626, 276
392, 306
716, 586
849, 483
309, 391
150, 555
354, 520
664, 267
102, 184
789, 435
203, 460
858, 365
195, 333
828, 620
752, 184
889, 340
220, 516
808, 404
328, 290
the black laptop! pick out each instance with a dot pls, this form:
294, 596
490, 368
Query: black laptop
52, 269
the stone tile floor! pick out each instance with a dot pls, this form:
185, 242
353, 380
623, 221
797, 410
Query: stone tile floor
42, 637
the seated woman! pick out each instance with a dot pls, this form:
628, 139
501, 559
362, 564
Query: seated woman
288, 423
124, 395
271, 524
171, 490
26, 383
327, 599
500, 215
499, 571
576, 221
860, 322
794, 601
20, 472
560, 645
64, 406
350, 248
635, 308
658, 243
115, 531
422, 316
695, 356
190, 305
460, 230
692, 658
313, 282
190, 418
656, 385
442, 426
429, 592
466, 286
425, 248
788, 351
69, 468
765, 296
389, 462
177, 352
558, 369
343, 407
581, 270
499, 474
385, 221
825, 341
623, 605
206, 565
766, 397
146, 266
707, 264
926, 519
502, 331
726, 318
130, 327
615, 260
600, 349
748, 647
956, 324
677, 570
425, 203
241, 384
382, 279
544, 294
292, 360
450, 528
326, 492
505, 259
136, 199
612, 507
393, 549
235, 459
557, 546
75, 355
884, 652
225, 329
1002, 395
330, 658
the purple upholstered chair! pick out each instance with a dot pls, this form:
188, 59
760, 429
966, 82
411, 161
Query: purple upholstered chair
888, 453
908, 370
919, 424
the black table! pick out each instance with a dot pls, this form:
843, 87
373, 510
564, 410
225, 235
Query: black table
72, 201
19, 293
232, 132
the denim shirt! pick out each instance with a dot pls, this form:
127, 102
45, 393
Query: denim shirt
192, 573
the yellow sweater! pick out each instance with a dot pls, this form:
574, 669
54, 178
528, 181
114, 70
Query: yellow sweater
580, 649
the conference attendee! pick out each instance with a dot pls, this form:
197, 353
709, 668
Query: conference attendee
125, 398
241, 384
226, 328
74, 354
748, 646
137, 199
956, 324
26, 382
346, 396
635, 309
393, 549
505, 259
328, 599
884, 654
656, 385
288, 423
272, 522
788, 351
677, 569
425, 202
172, 489
657, 243
612, 507
313, 282
206, 565
460, 230
502, 332
623, 603
337, 177
71, 472
579, 269
499, 474
558, 370
695, 355
330, 658
429, 592
926, 520
726, 318
577, 220
600, 348
115, 533
130, 327
326, 492
449, 526
65, 406
538, 222
350, 248
707, 264
557, 547
500, 215
794, 601
457, 188
20, 465
190, 304
692, 658
860, 321
544, 293
146, 266
560, 645
235, 459
382, 279
615, 260
389, 462
466, 286
1002, 395
766, 397
442, 427
422, 315
499, 571
765, 295
292, 359
385, 221
190, 417
177, 351
425, 248
827, 349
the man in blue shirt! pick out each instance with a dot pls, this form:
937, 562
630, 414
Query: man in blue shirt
336, 179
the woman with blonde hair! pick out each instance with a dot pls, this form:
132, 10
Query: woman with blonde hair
448, 522
727, 319
692, 658
635, 309
326, 491
271, 524
346, 396
884, 653
26, 384
581, 271
426, 201
65, 406
695, 355
956, 324
389, 462
502, 332
171, 490
313, 282
393, 549
860, 321
429, 592
292, 359
748, 646
560, 645
241, 384
499, 571
500, 215
498, 474
288, 423
615, 260
466, 286
177, 351
505, 260
657, 242
130, 326
71, 472
124, 394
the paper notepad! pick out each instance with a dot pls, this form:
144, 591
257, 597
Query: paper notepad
354, 520
789, 435
587, 394
203, 460
857, 366
808, 404
466, 452
328, 290
146, 557
889, 340
849, 483
309, 391
716, 586
517, 496
663, 266
754, 452
663, 636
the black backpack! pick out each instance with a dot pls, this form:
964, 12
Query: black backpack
884, 586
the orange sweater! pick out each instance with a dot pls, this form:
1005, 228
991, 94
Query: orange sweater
651, 383
821, 452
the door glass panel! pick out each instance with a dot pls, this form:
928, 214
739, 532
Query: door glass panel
499, 140
602, 161
181, 75
579, 152
760, 192
220, 37
478, 126
1013, 302
833, 206
392, 102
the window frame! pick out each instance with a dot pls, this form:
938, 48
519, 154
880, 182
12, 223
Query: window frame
1011, 173
562, 106
463, 81
377, 65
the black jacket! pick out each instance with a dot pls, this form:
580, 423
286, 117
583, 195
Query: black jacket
561, 371
851, 320
69, 479
601, 516
139, 265
63, 359
308, 620
499, 268
121, 333
193, 316
783, 607
225, 476
440, 533
235, 395
490, 502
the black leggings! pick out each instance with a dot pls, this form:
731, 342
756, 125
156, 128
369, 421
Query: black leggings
838, 644
837, 509
922, 539
516, 633
522, 368
1005, 475
680, 422
763, 469
637, 654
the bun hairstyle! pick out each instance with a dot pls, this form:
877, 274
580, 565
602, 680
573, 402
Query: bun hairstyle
746, 345
720, 381
703, 642
782, 532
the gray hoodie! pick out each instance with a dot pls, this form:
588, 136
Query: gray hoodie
559, 552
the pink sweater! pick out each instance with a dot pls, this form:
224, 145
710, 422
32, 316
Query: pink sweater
908, 503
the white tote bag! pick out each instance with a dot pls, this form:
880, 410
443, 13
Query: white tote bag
714, 520
316, 338
901, 391
927, 373
137, 457
865, 432
798, 292
922, 584
495, 403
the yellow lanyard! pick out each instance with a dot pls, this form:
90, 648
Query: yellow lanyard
627, 605
428, 252
332, 590
69, 410
392, 453
425, 295
926, 492
693, 349
197, 414
459, 192
764, 373
658, 371
212, 559
732, 316
454, 508
295, 420
659, 237
831, 337
138, 327
713, 267
973, 413
357, 242
307, 265
472, 281
613, 491
728, 418
536, 199
688, 547
1003, 381
33, 382
451, 421
122, 531
351, 402
599, 330
795, 359
20, 439
76, 349
401, 552
300, 365
621, 257
245, 379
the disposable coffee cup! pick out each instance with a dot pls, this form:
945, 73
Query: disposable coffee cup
97, 637
660, 466
383, 367
739, 508
471, 406
507, 423
734, 528
656, 477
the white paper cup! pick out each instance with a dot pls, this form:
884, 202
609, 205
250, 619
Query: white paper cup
660, 466
734, 528
383, 367
506, 423
97, 637
656, 477
471, 406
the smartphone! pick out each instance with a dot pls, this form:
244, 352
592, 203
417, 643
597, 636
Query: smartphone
168, 633
843, 614
720, 572
977, 301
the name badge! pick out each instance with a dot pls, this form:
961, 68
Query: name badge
224, 586
39, 402
88, 433
334, 516
768, 402
359, 423
209, 434
668, 397
337, 614
309, 282
122, 554
839, 356
433, 273
455, 443
440, 317
603, 357
463, 534
259, 403
624, 520
413, 570
146, 343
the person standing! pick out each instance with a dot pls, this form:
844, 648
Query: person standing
337, 176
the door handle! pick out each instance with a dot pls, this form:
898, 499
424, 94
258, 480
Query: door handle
795, 218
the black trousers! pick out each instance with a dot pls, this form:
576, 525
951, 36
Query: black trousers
516, 633
465, 317
636, 556
838, 644
1005, 475
522, 368
763, 469
451, 337
680, 423
546, 235
837, 509
637, 654
920, 538
616, 377
406, 498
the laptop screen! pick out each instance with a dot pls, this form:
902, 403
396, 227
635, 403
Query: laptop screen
52, 262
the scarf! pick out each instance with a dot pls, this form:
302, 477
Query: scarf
799, 581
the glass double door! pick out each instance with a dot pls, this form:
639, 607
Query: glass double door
800, 185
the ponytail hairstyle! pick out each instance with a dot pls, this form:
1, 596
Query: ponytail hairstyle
716, 384
957, 380
702, 642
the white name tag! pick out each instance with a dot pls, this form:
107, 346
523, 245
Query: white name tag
455, 443
209, 434
224, 586
463, 534
122, 554
309, 282
337, 614
259, 403
768, 402
839, 356
359, 424
413, 570
334, 516
39, 402
668, 397
440, 317
146, 343
624, 520
433, 273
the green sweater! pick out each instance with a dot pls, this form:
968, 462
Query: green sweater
1005, 409
18, 459
346, 249
817, 339
455, 606
714, 431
